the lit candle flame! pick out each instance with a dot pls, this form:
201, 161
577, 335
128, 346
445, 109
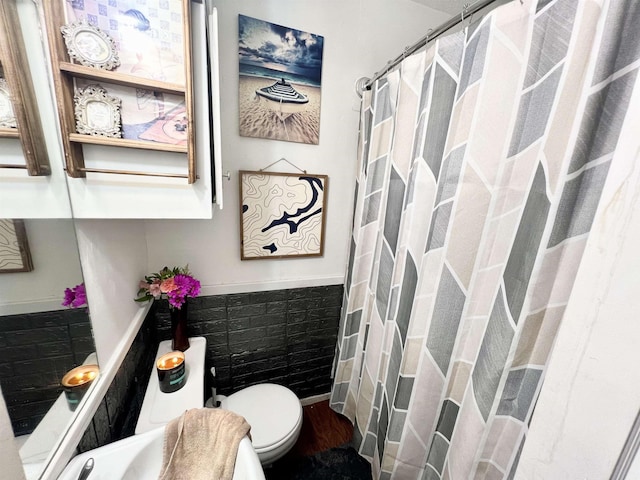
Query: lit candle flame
80, 375
170, 360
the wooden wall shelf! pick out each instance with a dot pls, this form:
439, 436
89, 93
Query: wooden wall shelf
120, 78
65, 72
9, 133
127, 143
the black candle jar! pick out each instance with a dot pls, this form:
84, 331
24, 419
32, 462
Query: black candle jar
76, 382
171, 371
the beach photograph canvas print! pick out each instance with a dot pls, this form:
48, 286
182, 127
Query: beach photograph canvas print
280, 81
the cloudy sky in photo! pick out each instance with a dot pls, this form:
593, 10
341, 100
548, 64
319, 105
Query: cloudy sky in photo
279, 48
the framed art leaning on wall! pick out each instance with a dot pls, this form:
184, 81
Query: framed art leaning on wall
282, 214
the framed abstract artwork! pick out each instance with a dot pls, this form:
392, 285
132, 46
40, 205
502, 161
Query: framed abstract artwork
14, 248
282, 214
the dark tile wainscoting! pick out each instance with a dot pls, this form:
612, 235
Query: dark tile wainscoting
281, 336
37, 350
118, 412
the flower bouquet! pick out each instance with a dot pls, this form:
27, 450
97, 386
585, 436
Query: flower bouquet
176, 284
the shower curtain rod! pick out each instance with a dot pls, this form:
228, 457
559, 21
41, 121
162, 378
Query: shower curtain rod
467, 11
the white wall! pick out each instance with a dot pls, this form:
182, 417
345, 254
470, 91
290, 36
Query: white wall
360, 36
56, 266
114, 260
591, 394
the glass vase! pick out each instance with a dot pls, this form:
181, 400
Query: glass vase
179, 337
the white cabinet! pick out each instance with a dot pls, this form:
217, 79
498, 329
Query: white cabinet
93, 176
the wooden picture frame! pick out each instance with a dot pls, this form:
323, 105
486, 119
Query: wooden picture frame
15, 255
24, 103
282, 215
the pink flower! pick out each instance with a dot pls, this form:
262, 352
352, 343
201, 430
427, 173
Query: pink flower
154, 289
168, 285
143, 284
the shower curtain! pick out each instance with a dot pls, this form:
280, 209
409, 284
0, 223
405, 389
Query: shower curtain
481, 164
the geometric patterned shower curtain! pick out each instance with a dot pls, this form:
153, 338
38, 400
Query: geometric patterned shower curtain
481, 164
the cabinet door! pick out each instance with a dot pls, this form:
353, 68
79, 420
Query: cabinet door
32, 178
157, 163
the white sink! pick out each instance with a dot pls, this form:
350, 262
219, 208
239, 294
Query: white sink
140, 458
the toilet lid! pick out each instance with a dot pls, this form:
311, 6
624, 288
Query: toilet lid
273, 411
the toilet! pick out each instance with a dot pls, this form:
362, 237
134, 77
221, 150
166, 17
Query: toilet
273, 411
275, 415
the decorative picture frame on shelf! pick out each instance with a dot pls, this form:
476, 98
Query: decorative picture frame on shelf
90, 46
97, 112
15, 255
7, 115
282, 214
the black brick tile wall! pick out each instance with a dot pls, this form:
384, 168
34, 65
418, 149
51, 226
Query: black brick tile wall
37, 350
282, 336
118, 413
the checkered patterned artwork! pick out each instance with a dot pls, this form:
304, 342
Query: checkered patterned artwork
148, 34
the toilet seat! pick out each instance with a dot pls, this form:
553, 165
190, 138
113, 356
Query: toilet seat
273, 411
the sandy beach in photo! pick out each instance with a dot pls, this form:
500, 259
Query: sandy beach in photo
257, 120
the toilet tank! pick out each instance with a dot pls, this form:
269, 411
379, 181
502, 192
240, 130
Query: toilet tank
159, 408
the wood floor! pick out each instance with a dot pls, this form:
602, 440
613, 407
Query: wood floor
322, 429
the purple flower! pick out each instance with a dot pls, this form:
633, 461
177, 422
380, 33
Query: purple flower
185, 286
75, 297
81, 296
69, 297
175, 299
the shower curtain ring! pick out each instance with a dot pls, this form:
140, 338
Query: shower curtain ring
465, 7
361, 85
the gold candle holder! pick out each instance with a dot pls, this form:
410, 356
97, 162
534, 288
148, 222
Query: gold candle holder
76, 382
171, 371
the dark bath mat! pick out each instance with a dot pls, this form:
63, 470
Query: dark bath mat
340, 463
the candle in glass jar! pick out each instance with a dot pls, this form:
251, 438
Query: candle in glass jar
170, 360
76, 382
171, 371
80, 375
